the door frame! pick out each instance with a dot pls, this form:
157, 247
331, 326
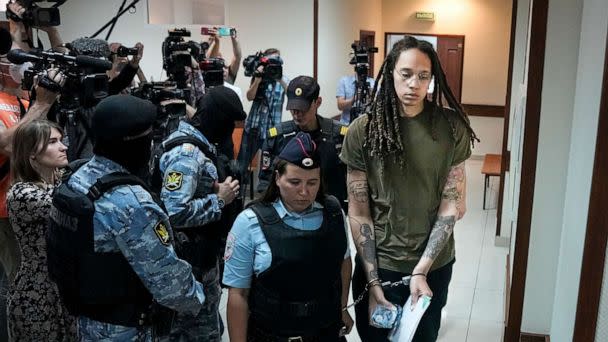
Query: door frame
594, 254
536, 62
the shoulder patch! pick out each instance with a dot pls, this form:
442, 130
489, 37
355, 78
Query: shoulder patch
273, 132
162, 233
249, 214
173, 180
188, 147
343, 130
230, 241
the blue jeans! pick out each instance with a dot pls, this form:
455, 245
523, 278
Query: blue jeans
428, 329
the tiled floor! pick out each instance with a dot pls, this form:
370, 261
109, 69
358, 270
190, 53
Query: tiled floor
475, 308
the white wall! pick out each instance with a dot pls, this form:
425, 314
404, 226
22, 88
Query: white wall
489, 131
562, 45
580, 167
337, 32
283, 24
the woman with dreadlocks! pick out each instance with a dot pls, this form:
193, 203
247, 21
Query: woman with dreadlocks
406, 190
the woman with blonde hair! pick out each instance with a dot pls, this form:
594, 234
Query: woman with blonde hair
35, 311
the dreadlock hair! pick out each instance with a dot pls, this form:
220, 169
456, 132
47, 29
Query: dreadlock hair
383, 135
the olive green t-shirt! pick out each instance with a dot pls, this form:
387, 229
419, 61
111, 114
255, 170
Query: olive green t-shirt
404, 200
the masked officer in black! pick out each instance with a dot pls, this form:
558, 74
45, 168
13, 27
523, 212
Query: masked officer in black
303, 101
125, 264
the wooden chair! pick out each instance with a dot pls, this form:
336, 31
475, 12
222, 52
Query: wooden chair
490, 168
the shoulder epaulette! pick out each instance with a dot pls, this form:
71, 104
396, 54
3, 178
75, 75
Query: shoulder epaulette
273, 132
343, 130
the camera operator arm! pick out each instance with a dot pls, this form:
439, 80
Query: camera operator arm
235, 63
140, 53
54, 38
253, 88
344, 103
19, 33
44, 101
122, 80
214, 44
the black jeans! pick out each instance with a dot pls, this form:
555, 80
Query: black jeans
428, 329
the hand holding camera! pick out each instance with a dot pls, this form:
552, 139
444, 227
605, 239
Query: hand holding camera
32, 15
49, 86
216, 32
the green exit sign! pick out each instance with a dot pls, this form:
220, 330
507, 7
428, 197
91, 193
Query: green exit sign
430, 16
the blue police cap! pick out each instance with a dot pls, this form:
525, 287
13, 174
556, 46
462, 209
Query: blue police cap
301, 151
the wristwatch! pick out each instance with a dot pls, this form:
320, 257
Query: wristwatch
220, 203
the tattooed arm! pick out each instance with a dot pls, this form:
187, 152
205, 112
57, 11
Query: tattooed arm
449, 211
362, 229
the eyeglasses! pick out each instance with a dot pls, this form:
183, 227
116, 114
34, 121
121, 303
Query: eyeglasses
422, 77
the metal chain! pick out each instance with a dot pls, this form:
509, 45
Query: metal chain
404, 281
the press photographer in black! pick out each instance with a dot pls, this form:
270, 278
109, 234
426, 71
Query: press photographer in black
88, 85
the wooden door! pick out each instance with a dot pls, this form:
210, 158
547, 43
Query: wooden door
450, 50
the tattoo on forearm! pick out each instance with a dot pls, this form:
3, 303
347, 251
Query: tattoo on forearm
367, 247
440, 234
358, 191
452, 191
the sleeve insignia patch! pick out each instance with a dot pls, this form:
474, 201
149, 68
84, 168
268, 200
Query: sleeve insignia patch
173, 180
188, 147
230, 241
265, 160
273, 132
162, 233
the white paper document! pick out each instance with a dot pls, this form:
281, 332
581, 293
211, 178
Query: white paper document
406, 329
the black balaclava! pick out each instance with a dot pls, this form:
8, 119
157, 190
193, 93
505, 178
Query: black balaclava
121, 127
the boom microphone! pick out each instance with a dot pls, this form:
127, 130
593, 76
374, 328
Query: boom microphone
18, 56
97, 63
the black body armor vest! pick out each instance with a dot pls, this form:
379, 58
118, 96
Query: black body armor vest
299, 294
101, 286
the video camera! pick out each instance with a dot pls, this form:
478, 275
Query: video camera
35, 15
273, 66
156, 92
178, 54
213, 71
360, 58
124, 51
86, 81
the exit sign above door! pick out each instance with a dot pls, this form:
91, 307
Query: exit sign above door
430, 16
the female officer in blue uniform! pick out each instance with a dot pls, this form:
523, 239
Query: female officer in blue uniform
287, 257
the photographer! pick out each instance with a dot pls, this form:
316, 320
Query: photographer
214, 51
353, 92
121, 61
100, 48
22, 38
76, 104
345, 95
267, 94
